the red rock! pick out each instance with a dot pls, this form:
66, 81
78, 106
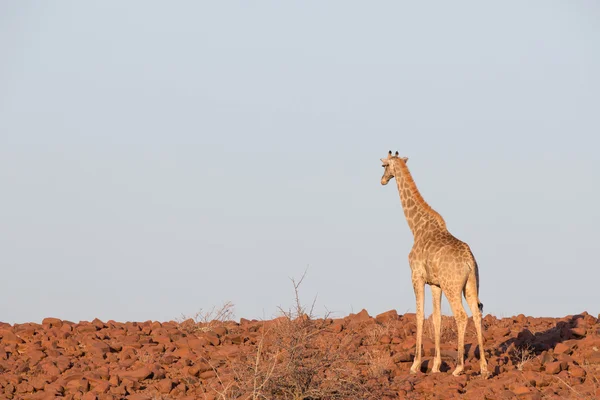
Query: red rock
337, 326
402, 357
220, 331
39, 382
89, 396
99, 348
576, 371
138, 374
546, 358
520, 390
362, 316
212, 338
208, 374
114, 380
183, 353
165, 386
578, 332
118, 391
236, 339
554, 367
562, 348
391, 315
385, 339
35, 357
100, 387
139, 396
8, 337
51, 322
51, 370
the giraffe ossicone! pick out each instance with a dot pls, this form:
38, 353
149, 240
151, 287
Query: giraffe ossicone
440, 260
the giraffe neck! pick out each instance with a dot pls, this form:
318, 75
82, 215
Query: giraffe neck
420, 216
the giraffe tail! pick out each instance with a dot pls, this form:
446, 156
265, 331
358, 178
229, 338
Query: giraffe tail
473, 281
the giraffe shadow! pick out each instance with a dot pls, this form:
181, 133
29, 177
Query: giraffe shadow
537, 343
426, 366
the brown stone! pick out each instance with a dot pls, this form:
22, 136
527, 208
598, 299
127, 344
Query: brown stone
578, 332
402, 357
197, 343
362, 316
554, 367
391, 315
385, 339
139, 396
576, 371
99, 348
100, 387
165, 386
337, 326
138, 374
8, 337
89, 396
193, 371
220, 331
520, 390
561, 348
51, 322
546, 358
212, 338
50, 369
35, 357
208, 374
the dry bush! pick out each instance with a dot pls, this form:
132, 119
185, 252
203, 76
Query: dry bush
378, 331
380, 363
447, 330
522, 355
310, 364
296, 358
251, 375
204, 321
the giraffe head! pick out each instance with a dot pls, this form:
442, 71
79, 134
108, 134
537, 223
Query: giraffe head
388, 163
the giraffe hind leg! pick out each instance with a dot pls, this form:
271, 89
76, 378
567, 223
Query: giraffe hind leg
476, 307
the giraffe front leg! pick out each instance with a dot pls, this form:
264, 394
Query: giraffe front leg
436, 294
419, 287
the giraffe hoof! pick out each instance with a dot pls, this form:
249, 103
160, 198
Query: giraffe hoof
458, 371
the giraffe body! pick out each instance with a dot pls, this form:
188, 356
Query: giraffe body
439, 260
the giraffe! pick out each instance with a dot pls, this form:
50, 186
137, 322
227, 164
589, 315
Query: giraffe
440, 260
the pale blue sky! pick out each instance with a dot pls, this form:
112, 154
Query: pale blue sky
157, 158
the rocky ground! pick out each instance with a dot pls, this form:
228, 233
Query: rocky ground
355, 357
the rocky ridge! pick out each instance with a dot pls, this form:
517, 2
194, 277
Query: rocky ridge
358, 356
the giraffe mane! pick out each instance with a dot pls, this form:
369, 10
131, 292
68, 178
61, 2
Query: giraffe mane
412, 186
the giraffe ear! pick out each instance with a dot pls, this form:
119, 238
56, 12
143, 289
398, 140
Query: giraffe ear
405, 159
396, 154
390, 154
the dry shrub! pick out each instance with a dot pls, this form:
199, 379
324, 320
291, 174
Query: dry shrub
204, 321
379, 330
380, 363
297, 358
310, 364
447, 330
521, 355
